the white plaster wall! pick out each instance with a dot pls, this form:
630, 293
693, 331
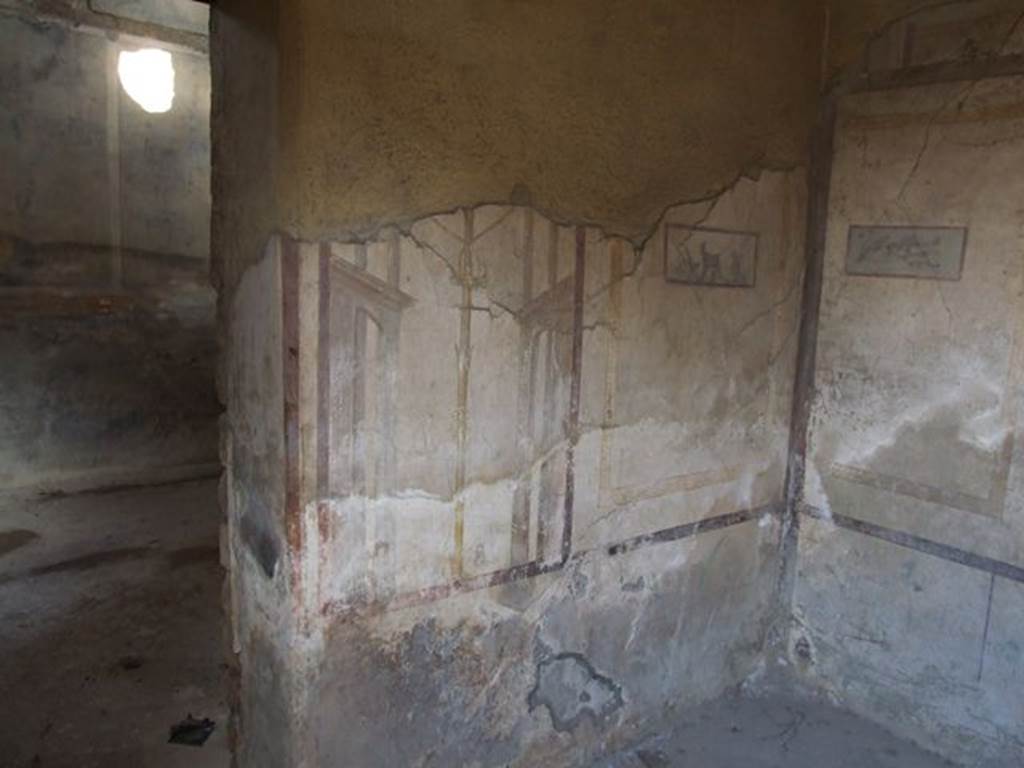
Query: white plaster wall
685, 390
915, 425
261, 589
435, 577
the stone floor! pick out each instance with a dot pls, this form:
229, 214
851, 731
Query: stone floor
776, 731
110, 628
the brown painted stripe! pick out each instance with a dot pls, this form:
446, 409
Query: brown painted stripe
323, 379
537, 568
687, 530
579, 279
919, 544
290, 371
819, 182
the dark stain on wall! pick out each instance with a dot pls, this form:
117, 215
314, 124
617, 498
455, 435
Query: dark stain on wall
259, 527
260, 543
446, 685
109, 361
101, 384
571, 690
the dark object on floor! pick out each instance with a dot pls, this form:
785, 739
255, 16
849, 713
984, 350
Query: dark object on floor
192, 732
129, 663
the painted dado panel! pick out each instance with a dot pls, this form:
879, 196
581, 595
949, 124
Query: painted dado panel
919, 370
496, 393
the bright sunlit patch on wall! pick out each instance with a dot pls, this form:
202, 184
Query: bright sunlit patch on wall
148, 77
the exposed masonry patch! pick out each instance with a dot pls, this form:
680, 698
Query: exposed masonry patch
571, 689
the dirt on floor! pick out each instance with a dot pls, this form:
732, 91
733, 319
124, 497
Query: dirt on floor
111, 628
777, 730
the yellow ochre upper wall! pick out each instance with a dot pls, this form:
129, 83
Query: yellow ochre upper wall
605, 111
599, 111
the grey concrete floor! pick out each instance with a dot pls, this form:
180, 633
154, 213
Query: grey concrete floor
774, 731
110, 628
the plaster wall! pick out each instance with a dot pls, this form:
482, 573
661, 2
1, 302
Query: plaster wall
945, 33
523, 501
532, 479
106, 311
909, 591
915, 32
606, 113
253, 488
392, 114
374, 114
